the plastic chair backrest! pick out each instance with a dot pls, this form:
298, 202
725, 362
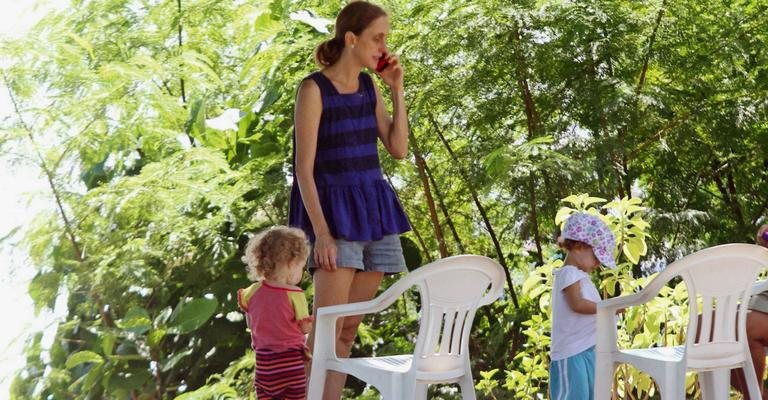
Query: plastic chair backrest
451, 291
718, 280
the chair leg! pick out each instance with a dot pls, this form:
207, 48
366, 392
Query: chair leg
405, 387
420, 391
394, 388
316, 382
714, 384
671, 385
603, 376
752, 381
467, 385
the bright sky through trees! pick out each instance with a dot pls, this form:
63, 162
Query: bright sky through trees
22, 194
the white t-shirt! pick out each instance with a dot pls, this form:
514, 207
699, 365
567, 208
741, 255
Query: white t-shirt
572, 332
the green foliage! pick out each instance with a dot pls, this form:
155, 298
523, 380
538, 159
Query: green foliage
192, 315
233, 383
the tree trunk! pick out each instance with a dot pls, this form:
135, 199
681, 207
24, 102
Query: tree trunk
535, 218
735, 198
181, 79
651, 41
727, 191
626, 177
420, 167
532, 121
424, 249
181, 44
106, 317
444, 210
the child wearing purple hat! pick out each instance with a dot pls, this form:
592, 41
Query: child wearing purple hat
588, 242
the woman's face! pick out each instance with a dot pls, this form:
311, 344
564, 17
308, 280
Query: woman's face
372, 42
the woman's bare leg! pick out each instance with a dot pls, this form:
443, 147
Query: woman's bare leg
345, 285
757, 337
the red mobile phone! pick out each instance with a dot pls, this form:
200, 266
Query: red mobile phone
383, 63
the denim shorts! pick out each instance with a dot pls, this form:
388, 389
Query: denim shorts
759, 302
383, 255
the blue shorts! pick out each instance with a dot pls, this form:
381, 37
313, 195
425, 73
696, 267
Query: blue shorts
383, 255
573, 378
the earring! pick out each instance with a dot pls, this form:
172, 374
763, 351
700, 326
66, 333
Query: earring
353, 46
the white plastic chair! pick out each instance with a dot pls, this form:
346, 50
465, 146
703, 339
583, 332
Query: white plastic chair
451, 291
721, 277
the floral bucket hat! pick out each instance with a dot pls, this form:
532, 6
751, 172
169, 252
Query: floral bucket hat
591, 230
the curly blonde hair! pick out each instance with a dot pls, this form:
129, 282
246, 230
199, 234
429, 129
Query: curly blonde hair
274, 248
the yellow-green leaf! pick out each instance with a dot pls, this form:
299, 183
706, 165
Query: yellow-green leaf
83, 357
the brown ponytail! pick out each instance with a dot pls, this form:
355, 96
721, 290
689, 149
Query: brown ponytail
354, 17
328, 52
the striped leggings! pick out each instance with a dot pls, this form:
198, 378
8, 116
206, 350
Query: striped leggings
280, 375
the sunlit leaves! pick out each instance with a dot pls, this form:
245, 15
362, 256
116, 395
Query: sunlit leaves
196, 65
136, 320
190, 316
265, 27
43, 289
630, 227
83, 357
319, 24
174, 360
487, 382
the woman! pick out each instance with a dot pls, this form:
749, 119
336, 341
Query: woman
339, 196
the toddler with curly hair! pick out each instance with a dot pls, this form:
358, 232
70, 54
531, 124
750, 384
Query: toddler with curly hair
276, 311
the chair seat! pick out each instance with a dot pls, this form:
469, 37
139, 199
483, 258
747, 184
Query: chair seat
660, 354
399, 364
392, 364
719, 357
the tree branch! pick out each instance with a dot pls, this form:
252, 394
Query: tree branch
421, 167
444, 209
49, 173
476, 199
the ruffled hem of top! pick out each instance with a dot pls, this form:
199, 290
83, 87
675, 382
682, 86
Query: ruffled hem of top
355, 212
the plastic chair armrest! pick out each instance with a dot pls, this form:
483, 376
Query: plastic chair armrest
606, 330
325, 323
616, 303
606, 318
325, 317
376, 304
325, 338
344, 310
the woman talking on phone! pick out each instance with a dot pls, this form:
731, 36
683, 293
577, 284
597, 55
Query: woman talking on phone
339, 196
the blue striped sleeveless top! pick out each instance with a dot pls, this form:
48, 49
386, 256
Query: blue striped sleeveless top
358, 204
